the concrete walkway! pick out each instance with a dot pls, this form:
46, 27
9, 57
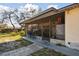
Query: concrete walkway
25, 51
64, 50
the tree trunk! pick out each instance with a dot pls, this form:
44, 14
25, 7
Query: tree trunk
12, 23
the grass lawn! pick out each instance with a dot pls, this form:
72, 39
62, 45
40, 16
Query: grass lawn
9, 38
11, 41
12, 36
47, 52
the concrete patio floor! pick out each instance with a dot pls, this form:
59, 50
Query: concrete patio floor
64, 50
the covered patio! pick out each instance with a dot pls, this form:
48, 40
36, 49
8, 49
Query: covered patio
41, 28
48, 26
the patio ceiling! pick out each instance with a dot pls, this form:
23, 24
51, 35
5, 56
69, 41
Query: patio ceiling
41, 16
39, 21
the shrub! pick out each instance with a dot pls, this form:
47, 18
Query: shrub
13, 33
22, 33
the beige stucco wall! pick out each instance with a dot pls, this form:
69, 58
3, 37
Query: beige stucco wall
72, 28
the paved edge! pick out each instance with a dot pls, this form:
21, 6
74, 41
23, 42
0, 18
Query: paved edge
24, 51
61, 49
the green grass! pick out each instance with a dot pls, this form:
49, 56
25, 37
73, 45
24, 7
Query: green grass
21, 33
47, 52
12, 36
24, 42
6, 34
9, 38
12, 39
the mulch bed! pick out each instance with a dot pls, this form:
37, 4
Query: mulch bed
8, 46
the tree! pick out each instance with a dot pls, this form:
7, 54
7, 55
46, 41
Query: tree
2, 26
29, 10
9, 16
13, 16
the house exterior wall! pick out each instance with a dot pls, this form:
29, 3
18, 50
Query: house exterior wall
72, 28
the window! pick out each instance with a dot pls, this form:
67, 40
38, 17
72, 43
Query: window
58, 21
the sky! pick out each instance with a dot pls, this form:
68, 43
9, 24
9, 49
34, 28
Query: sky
43, 6
22, 7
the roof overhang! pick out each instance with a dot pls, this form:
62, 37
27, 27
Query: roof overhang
49, 12
42, 14
69, 7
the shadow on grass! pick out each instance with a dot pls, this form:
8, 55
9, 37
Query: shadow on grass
47, 52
